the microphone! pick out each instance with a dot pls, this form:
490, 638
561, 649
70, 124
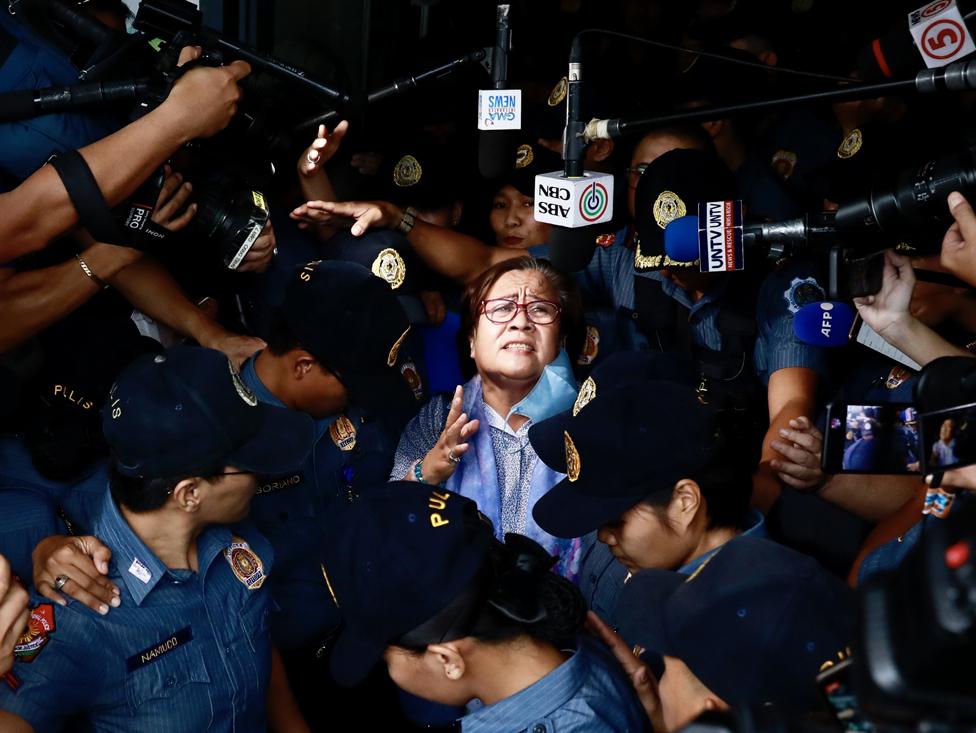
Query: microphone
499, 109
573, 142
571, 250
681, 239
826, 323
890, 56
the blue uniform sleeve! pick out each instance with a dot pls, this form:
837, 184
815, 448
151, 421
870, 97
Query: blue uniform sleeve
56, 673
609, 277
781, 295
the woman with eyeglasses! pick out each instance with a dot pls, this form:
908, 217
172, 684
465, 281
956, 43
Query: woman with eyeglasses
518, 318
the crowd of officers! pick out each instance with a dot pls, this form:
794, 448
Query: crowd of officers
400, 468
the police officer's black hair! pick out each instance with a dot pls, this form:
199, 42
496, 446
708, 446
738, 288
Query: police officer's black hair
281, 339
148, 494
570, 320
514, 594
726, 485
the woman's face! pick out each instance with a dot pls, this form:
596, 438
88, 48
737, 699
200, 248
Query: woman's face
520, 349
513, 222
640, 539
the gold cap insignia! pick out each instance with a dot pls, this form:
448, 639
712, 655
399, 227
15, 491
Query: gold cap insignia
591, 347
851, 144
395, 349
586, 394
389, 266
524, 156
654, 262
242, 389
572, 458
343, 433
784, 163
247, 566
407, 171
668, 207
558, 93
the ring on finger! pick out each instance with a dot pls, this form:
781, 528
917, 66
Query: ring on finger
453, 458
60, 582
310, 159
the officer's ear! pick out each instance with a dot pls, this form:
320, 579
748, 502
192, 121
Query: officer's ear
686, 500
450, 659
600, 149
187, 494
714, 127
302, 364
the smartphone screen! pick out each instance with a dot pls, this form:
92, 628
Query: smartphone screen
872, 439
949, 438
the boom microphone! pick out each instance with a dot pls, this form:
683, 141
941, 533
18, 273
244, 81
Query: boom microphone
498, 113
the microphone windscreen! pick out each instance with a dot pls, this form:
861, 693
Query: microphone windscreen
495, 150
572, 249
825, 323
891, 56
681, 239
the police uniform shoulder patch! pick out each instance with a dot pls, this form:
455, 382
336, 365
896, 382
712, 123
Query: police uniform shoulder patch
801, 292
896, 377
242, 389
586, 394
412, 377
784, 163
558, 93
343, 433
572, 458
247, 566
850, 145
407, 172
395, 349
667, 207
389, 266
606, 240
39, 628
591, 346
524, 156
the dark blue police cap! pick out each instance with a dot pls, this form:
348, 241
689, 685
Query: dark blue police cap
671, 187
755, 623
621, 442
352, 323
392, 560
187, 410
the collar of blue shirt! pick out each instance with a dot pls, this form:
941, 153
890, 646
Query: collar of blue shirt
537, 701
138, 566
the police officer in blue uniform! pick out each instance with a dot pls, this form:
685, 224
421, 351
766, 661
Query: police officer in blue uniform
188, 439
338, 351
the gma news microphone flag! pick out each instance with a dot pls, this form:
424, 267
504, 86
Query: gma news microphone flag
573, 202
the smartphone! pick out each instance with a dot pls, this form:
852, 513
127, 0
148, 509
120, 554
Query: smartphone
872, 439
854, 277
949, 438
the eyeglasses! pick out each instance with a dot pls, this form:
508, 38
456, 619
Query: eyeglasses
235, 473
502, 310
638, 170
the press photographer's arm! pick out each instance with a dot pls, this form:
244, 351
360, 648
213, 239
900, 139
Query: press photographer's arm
200, 104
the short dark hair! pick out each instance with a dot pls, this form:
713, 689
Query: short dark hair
281, 339
507, 598
141, 495
570, 320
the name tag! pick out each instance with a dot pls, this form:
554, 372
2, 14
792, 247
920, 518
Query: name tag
157, 650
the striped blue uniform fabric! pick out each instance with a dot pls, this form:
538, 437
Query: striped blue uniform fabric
185, 651
586, 693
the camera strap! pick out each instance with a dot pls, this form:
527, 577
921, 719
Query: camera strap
83, 190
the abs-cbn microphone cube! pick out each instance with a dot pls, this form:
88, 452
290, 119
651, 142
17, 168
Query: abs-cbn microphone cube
573, 202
